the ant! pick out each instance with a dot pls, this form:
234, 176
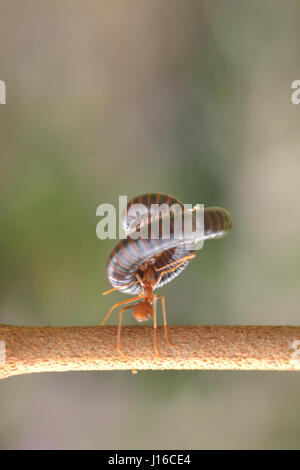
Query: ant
147, 301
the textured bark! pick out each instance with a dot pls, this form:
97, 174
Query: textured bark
25, 350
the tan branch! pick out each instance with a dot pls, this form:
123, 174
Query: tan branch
25, 350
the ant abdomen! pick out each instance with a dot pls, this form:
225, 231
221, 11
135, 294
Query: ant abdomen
142, 311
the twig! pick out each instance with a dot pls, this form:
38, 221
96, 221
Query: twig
25, 350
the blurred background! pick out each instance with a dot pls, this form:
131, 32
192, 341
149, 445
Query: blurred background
122, 98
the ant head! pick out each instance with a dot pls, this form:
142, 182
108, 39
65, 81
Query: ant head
142, 311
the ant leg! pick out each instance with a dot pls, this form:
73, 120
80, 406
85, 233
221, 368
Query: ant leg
119, 287
119, 336
117, 305
161, 273
119, 329
179, 261
163, 305
155, 326
139, 279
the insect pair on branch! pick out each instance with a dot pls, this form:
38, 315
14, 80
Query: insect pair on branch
140, 266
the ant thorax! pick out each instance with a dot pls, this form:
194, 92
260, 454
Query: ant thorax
147, 279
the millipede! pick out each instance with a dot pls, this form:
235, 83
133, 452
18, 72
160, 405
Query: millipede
139, 266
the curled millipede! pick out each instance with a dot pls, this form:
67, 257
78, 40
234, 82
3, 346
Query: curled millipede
139, 266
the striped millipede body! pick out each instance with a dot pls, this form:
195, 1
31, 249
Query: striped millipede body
129, 255
138, 266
